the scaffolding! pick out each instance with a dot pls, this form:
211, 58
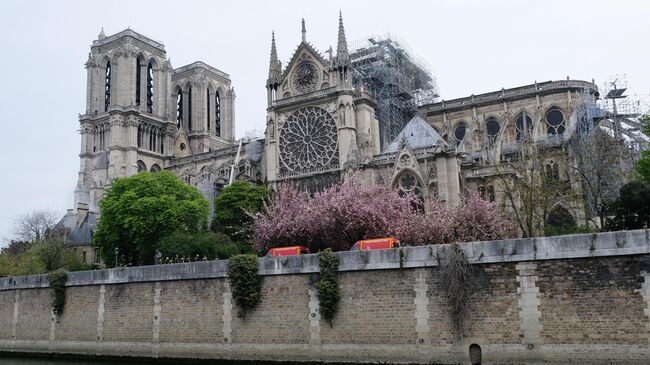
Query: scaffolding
399, 81
621, 112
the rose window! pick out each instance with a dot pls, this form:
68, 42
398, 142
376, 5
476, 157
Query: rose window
308, 141
305, 77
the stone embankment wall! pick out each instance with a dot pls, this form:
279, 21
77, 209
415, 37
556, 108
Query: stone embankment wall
571, 299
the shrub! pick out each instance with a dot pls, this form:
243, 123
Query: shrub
207, 244
328, 285
245, 283
57, 281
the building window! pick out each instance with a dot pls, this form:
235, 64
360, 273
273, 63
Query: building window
407, 184
552, 171
139, 136
524, 126
141, 166
189, 109
150, 88
492, 128
179, 109
207, 94
138, 78
555, 121
460, 131
217, 114
107, 86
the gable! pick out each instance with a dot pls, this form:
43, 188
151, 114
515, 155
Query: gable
304, 60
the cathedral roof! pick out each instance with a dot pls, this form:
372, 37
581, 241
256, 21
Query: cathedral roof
416, 134
199, 65
103, 39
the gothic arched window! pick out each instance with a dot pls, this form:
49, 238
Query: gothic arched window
107, 86
189, 109
559, 217
459, 131
207, 98
523, 125
407, 184
492, 128
555, 121
217, 114
179, 109
141, 166
138, 79
150, 87
139, 136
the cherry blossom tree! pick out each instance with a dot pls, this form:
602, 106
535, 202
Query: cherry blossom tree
350, 211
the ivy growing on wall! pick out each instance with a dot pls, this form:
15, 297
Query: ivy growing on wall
456, 281
328, 285
245, 283
57, 281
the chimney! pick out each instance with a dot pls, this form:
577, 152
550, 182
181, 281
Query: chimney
82, 211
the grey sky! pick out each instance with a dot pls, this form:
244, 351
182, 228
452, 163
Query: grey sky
474, 47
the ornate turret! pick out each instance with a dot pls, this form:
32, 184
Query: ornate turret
275, 66
304, 31
342, 55
101, 35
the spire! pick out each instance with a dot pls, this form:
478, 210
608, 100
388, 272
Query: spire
342, 55
342, 45
101, 35
304, 31
275, 68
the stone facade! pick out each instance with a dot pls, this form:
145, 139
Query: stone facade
321, 127
562, 300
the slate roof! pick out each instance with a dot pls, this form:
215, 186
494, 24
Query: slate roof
416, 134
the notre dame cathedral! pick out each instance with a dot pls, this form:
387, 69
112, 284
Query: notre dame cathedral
372, 111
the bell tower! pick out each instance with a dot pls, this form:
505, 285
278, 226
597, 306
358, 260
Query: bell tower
125, 126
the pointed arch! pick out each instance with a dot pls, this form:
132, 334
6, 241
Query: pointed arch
108, 76
139, 64
142, 167
178, 93
555, 119
560, 217
523, 125
152, 67
408, 182
155, 168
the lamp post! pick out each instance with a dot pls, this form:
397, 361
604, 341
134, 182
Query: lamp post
116, 252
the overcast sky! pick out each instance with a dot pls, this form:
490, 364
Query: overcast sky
473, 46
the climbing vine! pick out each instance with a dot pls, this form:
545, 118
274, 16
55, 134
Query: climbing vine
245, 283
328, 285
456, 281
57, 281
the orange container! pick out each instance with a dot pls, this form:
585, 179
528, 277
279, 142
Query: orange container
288, 251
375, 244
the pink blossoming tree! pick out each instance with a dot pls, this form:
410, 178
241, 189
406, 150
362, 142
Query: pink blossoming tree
349, 211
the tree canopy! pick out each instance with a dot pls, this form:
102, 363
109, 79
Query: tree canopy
339, 216
632, 209
139, 210
643, 165
233, 206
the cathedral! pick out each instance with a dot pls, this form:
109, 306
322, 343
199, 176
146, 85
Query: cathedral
329, 115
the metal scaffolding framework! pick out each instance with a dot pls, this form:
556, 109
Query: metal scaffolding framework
399, 81
621, 112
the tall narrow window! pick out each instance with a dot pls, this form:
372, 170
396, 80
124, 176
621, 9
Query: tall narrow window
149, 88
139, 136
107, 86
523, 126
138, 77
189, 109
217, 114
179, 109
207, 93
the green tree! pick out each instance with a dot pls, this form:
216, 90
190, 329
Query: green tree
632, 209
192, 245
139, 210
40, 258
643, 165
232, 208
